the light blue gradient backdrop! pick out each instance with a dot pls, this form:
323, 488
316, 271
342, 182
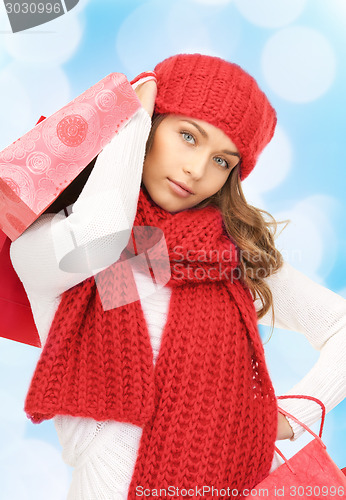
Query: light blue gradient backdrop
297, 52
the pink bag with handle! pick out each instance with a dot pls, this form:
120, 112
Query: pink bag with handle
310, 473
38, 166
114, 98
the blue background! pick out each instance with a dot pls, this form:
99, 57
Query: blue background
296, 50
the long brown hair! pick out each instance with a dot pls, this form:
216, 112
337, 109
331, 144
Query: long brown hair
245, 224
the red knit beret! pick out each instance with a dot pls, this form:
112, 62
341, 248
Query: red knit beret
221, 93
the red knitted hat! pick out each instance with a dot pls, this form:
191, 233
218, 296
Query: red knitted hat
221, 93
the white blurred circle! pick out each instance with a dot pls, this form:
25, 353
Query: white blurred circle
153, 48
185, 24
79, 7
36, 467
299, 64
48, 90
270, 13
252, 194
301, 241
309, 242
191, 48
55, 42
12, 485
297, 355
179, 28
17, 355
27, 92
213, 2
13, 421
203, 29
273, 164
4, 22
337, 8
16, 111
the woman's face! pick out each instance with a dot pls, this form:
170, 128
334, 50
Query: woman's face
188, 151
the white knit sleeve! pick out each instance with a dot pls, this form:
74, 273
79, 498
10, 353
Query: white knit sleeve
307, 307
60, 250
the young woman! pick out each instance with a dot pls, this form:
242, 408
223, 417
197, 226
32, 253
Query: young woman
168, 390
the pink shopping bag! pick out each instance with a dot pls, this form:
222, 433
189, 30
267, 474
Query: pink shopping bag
36, 168
309, 474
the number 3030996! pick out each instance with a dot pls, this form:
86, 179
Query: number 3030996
33, 8
317, 491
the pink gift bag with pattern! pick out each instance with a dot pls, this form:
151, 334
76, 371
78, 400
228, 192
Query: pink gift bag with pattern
116, 102
36, 168
310, 473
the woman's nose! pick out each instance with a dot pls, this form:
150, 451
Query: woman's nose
196, 166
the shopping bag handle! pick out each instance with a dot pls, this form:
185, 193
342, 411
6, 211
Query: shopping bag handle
143, 77
298, 421
284, 412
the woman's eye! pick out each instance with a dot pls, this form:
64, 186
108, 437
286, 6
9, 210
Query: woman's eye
225, 163
184, 134
187, 135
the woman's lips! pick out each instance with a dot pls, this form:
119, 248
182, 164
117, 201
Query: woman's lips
178, 190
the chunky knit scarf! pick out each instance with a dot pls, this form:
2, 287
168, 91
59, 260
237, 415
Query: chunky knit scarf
207, 408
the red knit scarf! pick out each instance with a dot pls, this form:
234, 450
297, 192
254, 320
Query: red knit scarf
207, 408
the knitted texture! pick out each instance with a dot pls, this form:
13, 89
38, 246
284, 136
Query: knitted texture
221, 93
208, 408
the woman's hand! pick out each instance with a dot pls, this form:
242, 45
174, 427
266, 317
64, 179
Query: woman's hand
284, 429
146, 93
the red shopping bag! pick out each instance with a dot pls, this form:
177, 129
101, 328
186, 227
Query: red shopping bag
16, 319
310, 473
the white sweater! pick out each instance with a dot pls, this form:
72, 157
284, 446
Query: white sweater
104, 453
